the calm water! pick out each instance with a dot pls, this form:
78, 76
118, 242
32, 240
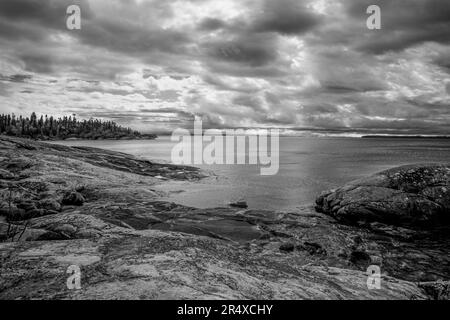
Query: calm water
307, 167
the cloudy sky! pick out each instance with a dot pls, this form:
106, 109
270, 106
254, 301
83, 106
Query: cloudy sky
302, 65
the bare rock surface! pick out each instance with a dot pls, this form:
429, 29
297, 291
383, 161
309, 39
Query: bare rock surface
160, 265
131, 245
413, 195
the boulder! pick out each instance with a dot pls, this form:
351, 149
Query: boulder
413, 195
73, 199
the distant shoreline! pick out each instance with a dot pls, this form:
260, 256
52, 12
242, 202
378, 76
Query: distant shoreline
46, 138
404, 137
149, 137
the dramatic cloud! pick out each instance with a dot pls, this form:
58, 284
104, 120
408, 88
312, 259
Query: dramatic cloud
409, 22
302, 65
285, 17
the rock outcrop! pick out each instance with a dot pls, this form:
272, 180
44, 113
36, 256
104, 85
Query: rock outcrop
413, 195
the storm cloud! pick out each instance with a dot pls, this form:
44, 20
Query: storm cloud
294, 64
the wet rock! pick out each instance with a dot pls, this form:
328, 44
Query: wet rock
73, 199
239, 204
287, 247
415, 195
360, 258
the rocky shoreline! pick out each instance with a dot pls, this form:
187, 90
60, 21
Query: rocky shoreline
99, 210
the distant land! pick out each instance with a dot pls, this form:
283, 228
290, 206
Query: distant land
405, 137
50, 128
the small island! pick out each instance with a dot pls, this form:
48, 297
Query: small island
50, 128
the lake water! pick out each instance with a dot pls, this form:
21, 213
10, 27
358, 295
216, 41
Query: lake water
307, 167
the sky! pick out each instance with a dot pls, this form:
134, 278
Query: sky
303, 66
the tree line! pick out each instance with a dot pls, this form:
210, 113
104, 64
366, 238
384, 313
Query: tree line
48, 128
